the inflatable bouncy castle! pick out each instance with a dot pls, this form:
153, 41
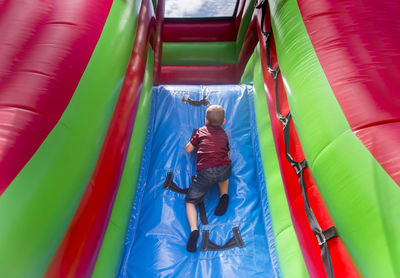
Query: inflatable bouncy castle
98, 99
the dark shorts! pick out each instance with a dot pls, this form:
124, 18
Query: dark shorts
204, 179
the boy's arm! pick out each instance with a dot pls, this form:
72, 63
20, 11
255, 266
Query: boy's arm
189, 147
194, 138
227, 145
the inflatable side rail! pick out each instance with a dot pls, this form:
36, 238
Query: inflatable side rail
77, 253
294, 179
343, 91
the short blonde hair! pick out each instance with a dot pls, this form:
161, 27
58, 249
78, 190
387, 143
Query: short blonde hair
215, 115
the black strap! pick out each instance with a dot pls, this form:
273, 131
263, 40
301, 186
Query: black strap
259, 5
170, 185
283, 119
299, 166
205, 101
263, 6
328, 234
203, 214
273, 72
235, 241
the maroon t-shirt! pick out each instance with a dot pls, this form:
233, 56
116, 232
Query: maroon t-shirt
212, 147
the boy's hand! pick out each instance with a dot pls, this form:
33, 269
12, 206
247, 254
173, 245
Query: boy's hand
189, 147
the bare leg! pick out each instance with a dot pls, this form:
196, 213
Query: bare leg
223, 187
191, 213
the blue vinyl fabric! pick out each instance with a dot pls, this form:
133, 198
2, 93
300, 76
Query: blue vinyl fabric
158, 231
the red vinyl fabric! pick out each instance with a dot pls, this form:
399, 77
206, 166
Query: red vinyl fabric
40, 69
194, 31
198, 74
367, 84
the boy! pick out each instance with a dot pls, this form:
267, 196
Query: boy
213, 166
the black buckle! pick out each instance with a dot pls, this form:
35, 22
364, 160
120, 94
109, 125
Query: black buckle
274, 73
320, 238
284, 119
268, 35
324, 236
299, 166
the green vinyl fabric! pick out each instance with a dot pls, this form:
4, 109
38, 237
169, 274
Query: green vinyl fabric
199, 53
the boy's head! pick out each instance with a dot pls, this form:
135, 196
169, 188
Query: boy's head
215, 115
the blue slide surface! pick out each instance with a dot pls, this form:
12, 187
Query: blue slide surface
158, 230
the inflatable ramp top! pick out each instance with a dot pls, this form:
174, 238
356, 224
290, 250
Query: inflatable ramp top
92, 129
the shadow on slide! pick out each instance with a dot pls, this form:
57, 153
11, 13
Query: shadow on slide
158, 230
